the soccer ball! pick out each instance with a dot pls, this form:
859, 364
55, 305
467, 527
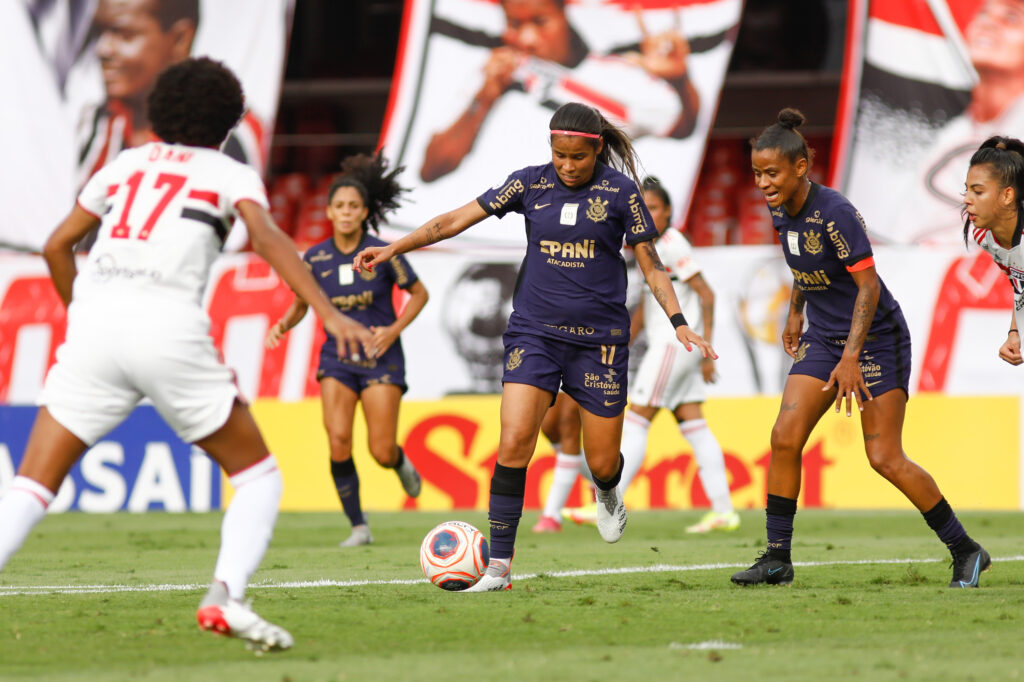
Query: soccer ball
454, 555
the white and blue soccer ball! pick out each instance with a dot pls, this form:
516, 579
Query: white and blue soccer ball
454, 555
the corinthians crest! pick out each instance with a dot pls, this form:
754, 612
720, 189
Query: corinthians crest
812, 242
598, 210
515, 358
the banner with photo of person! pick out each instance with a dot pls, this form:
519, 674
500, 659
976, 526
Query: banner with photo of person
477, 81
925, 83
77, 74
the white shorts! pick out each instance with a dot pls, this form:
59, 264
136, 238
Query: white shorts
110, 361
668, 376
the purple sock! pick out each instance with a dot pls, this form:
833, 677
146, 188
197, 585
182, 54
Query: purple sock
346, 482
508, 488
943, 521
779, 515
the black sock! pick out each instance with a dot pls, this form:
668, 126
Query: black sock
401, 458
346, 482
614, 480
779, 514
508, 488
943, 521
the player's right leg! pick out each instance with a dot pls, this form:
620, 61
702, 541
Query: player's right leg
51, 451
803, 404
381, 402
246, 531
338, 397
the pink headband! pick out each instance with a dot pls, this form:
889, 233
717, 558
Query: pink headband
595, 136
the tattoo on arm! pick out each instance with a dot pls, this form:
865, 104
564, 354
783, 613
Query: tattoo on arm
871, 436
649, 249
863, 314
797, 300
787, 407
660, 296
434, 233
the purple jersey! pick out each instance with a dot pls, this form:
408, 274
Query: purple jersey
364, 296
572, 283
820, 242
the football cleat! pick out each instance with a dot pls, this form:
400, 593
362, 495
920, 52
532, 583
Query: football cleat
229, 617
360, 536
547, 524
585, 515
768, 570
611, 515
409, 477
497, 578
968, 567
715, 521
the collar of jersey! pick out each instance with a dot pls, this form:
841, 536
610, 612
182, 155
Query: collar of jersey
812, 194
334, 244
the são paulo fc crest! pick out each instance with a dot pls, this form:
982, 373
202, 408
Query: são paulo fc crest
812, 242
598, 210
515, 358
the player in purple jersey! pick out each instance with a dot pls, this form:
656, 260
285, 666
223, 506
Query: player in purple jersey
569, 326
856, 347
357, 202
994, 218
140, 331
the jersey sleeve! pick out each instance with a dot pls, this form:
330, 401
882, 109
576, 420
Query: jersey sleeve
101, 186
506, 197
677, 255
404, 275
848, 235
637, 219
246, 184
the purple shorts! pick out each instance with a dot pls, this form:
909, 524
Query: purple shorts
884, 360
593, 376
388, 369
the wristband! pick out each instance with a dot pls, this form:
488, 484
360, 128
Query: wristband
677, 320
1013, 331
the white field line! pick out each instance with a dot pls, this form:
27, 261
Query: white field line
15, 590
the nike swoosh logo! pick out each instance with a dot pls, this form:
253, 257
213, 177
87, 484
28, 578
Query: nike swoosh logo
872, 383
774, 571
609, 404
537, 207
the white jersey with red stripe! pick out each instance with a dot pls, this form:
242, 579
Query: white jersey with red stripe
676, 254
1010, 261
165, 211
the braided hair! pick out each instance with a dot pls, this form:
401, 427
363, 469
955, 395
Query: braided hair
1005, 155
377, 186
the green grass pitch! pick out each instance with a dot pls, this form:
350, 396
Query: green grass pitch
114, 597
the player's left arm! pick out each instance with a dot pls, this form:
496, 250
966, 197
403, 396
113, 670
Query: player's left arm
385, 336
847, 376
661, 287
59, 250
707, 311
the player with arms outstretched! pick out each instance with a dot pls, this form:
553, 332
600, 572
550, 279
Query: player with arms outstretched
137, 328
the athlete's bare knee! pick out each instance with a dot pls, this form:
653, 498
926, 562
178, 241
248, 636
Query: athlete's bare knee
385, 451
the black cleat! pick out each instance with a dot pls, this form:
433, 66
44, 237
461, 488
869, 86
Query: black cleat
767, 569
968, 567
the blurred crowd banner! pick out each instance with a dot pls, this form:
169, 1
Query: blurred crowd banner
925, 82
76, 75
477, 81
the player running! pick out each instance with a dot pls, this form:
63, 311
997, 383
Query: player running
137, 328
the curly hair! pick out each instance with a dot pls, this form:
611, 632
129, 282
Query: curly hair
196, 102
378, 188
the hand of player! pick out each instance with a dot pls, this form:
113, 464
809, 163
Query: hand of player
791, 334
354, 340
663, 54
274, 335
370, 257
690, 338
383, 338
1010, 350
849, 381
707, 370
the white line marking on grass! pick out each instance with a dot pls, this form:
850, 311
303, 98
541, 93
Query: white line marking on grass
704, 646
15, 590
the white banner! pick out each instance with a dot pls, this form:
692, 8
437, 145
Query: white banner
956, 304
477, 82
75, 75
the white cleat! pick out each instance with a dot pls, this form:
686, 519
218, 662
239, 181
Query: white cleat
409, 477
611, 515
360, 536
497, 578
224, 616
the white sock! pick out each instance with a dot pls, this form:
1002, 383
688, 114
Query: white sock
710, 461
21, 508
566, 469
248, 524
634, 447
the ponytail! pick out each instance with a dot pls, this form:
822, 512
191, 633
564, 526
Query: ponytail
618, 151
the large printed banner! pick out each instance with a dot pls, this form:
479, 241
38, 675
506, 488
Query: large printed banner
956, 304
925, 82
141, 466
75, 75
478, 80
